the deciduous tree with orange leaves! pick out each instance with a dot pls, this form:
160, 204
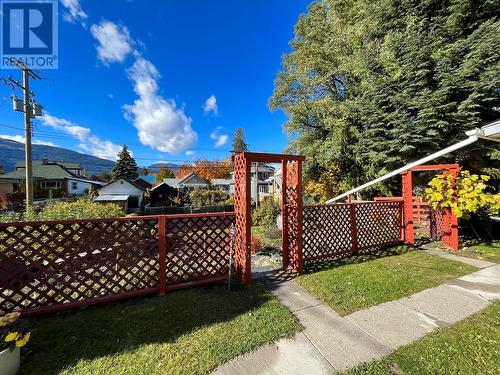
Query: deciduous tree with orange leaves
208, 169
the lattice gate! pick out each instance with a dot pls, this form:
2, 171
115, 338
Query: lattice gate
291, 210
443, 224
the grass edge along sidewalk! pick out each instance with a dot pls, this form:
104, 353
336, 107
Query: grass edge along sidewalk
483, 251
359, 282
469, 347
185, 332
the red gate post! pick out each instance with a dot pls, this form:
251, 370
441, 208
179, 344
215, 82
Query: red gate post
299, 258
162, 252
284, 216
242, 260
409, 234
354, 228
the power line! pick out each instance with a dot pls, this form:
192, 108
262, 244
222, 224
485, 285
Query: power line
50, 135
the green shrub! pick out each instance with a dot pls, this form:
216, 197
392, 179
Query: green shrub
11, 217
266, 213
81, 209
200, 198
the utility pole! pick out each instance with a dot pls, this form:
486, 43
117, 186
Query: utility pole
30, 109
28, 162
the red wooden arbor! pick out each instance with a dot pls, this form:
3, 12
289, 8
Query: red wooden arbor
449, 221
291, 204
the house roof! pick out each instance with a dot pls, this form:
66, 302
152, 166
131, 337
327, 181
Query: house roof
138, 186
41, 172
141, 181
192, 176
68, 165
171, 181
109, 197
165, 186
150, 179
81, 179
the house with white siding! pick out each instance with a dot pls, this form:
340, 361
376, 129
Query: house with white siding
129, 195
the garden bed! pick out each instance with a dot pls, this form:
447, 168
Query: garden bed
358, 282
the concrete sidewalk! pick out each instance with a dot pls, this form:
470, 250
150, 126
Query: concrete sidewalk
331, 343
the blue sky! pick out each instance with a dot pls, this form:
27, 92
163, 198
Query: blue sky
172, 79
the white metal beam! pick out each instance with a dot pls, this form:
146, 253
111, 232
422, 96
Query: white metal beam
490, 132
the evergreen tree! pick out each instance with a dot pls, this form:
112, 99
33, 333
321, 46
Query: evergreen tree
371, 85
164, 172
125, 166
239, 143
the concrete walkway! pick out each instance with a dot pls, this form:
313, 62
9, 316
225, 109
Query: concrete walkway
331, 343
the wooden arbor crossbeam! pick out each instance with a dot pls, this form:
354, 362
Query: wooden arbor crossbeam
450, 220
291, 205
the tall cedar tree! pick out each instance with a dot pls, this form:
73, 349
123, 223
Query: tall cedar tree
239, 143
125, 166
371, 85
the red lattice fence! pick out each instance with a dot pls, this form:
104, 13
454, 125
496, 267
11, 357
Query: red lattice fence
49, 266
332, 231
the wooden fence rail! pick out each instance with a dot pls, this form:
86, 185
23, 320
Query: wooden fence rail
51, 266
331, 231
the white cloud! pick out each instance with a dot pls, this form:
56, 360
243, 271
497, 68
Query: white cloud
102, 149
114, 41
43, 143
74, 11
16, 138
20, 138
159, 122
211, 105
88, 141
220, 139
189, 153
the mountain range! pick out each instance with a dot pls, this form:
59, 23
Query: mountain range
12, 152
154, 168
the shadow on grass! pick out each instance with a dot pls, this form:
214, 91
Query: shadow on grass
367, 255
274, 278
61, 340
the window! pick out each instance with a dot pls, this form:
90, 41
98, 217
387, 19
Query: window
74, 185
50, 184
263, 188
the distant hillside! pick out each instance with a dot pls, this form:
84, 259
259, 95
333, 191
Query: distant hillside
12, 152
153, 168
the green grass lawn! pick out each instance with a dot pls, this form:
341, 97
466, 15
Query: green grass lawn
185, 332
359, 282
259, 231
469, 347
484, 251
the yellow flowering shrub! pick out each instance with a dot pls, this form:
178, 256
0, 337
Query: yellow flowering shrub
464, 194
327, 187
